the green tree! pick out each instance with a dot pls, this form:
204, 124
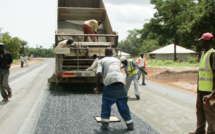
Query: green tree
132, 44
12, 45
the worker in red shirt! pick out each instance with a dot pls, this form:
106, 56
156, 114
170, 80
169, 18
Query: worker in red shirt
91, 27
141, 61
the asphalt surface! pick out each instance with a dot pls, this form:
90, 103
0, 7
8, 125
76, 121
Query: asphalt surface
40, 108
71, 110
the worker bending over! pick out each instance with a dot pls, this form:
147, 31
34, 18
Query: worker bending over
91, 27
114, 89
132, 74
64, 44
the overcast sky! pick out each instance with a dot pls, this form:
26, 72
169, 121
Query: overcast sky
35, 20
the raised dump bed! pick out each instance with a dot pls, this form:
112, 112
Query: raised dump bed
72, 62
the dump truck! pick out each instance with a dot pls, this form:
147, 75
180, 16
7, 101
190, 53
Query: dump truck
72, 62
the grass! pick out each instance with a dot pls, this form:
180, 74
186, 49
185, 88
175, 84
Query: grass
15, 60
171, 63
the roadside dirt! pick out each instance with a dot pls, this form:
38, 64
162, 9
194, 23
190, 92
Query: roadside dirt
30, 62
182, 78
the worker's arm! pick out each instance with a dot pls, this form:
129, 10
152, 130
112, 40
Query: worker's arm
135, 64
99, 77
211, 96
93, 65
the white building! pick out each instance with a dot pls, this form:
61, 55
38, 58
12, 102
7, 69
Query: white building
120, 53
167, 53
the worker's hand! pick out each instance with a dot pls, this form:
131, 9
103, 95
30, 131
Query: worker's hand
206, 99
96, 90
209, 97
145, 73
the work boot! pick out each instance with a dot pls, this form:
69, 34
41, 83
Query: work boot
5, 99
196, 132
130, 126
143, 83
10, 95
137, 96
104, 127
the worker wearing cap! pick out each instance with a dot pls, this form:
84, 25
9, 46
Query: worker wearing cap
132, 74
5, 63
206, 86
91, 27
141, 61
114, 89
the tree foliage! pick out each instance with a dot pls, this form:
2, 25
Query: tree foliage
187, 19
17, 47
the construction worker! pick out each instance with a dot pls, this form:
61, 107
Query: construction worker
22, 60
5, 63
114, 89
141, 61
94, 66
206, 86
132, 72
91, 27
64, 44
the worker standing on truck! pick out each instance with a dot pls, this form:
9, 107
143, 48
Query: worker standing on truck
64, 44
132, 74
141, 61
206, 86
94, 66
114, 89
5, 63
91, 27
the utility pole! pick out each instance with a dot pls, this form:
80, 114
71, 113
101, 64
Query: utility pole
174, 12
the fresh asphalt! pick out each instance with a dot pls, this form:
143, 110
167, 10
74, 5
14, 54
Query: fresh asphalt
71, 109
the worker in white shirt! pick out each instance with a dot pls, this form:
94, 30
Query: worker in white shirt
64, 44
91, 27
114, 89
141, 61
94, 66
22, 60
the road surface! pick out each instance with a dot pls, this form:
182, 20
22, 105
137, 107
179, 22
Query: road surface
39, 108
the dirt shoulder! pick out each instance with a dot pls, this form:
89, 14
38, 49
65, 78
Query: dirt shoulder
182, 78
30, 62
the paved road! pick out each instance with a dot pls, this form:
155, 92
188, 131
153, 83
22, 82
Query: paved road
38, 108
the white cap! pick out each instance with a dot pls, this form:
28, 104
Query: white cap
1, 44
122, 58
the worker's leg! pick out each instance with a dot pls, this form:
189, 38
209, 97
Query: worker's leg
201, 120
90, 31
85, 27
143, 82
128, 84
5, 81
2, 83
209, 111
108, 100
123, 107
136, 86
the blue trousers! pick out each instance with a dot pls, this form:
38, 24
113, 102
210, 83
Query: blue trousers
143, 81
118, 95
